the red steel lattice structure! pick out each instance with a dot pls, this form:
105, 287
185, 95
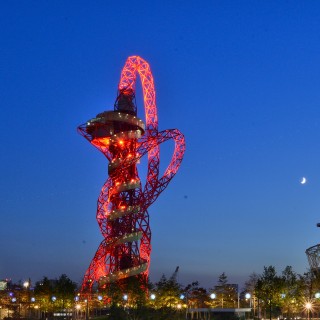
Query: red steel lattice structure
123, 202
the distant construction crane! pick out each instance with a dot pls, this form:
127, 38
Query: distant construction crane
123, 202
313, 254
175, 274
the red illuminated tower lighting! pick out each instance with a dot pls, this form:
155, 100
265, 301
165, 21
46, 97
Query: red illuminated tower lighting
123, 202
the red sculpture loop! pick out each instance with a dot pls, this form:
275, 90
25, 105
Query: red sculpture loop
123, 202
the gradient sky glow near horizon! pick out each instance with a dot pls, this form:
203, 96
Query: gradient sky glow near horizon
240, 79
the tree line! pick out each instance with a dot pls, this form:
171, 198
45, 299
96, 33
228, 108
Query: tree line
268, 295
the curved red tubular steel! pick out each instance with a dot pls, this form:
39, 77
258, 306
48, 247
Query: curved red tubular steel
135, 65
123, 202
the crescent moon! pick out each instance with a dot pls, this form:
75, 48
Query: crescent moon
303, 180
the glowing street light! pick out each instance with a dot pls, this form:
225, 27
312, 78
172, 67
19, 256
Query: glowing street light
26, 285
152, 296
308, 307
248, 297
213, 296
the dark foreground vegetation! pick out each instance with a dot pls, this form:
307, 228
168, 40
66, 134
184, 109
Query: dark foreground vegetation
285, 295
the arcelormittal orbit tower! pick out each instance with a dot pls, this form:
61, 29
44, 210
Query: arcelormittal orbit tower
123, 202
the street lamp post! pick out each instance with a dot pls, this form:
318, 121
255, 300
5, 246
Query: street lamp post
248, 297
186, 296
212, 297
100, 299
317, 296
53, 299
308, 307
125, 299
78, 307
87, 307
26, 285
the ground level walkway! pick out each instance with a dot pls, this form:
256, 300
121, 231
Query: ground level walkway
218, 313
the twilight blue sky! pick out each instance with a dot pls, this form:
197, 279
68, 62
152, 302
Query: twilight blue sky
240, 79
